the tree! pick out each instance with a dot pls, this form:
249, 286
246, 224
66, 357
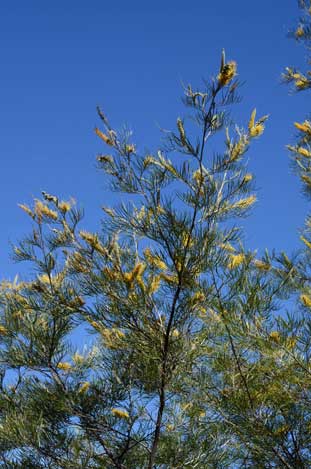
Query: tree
193, 362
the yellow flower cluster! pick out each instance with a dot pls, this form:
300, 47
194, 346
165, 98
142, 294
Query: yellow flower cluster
155, 261
255, 129
64, 206
306, 179
3, 330
181, 130
112, 337
198, 297
186, 240
169, 278
149, 159
93, 241
237, 148
120, 413
109, 211
227, 247
104, 137
248, 177
26, 210
42, 210
198, 177
304, 152
275, 336
64, 366
105, 158
84, 387
227, 73
306, 300
154, 284
235, 260
88, 237
301, 82
140, 215
170, 427
135, 274
262, 265
130, 148
243, 204
299, 32
304, 127
291, 342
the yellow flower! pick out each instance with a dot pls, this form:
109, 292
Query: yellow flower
105, 158
154, 260
235, 260
175, 333
155, 284
201, 311
170, 427
227, 73
304, 152
130, 148
96, 325
238, 148
244, 203
135, 274
26, 209
262, 265
306, 179
64, 366
104, 137
120, 413
149, 159
109, 211
227, 247
256, 128
248, 177
186, 240
64, 206
112, 337
88, 237
181, 130
141, 214
306, 300
304, 127
299, 32
275, 336
3, 330
302, 83
198, 297
84, 387
43, 210
198, 177
44, 278
169, 278
291, 342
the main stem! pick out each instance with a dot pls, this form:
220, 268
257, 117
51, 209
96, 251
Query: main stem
162, 390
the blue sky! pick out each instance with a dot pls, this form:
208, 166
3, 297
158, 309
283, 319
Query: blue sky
60, 59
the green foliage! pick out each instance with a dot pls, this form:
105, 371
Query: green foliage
194, 360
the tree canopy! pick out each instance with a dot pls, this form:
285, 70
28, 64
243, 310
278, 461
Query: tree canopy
199, 349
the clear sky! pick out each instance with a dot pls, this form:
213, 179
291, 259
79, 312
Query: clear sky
59, 59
